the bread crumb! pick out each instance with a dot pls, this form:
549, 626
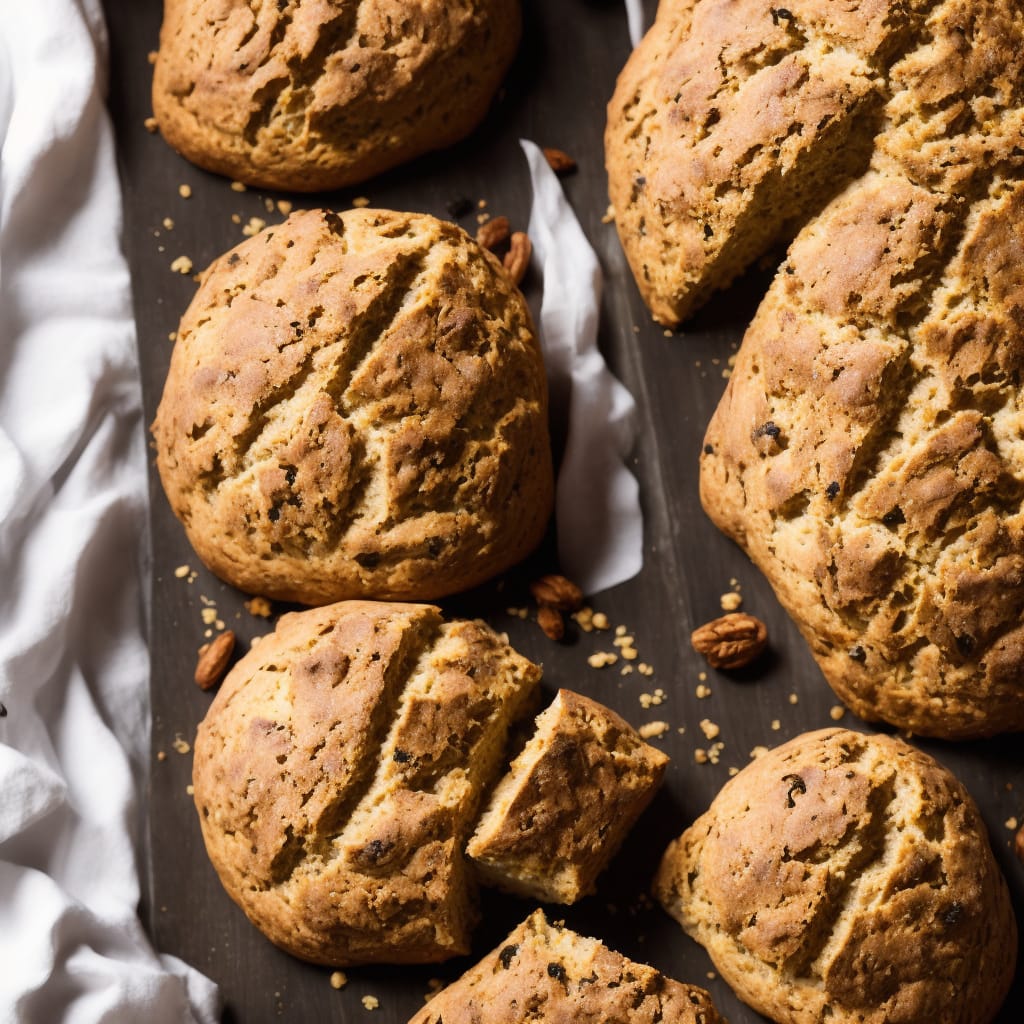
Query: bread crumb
623, 640
584, 619
254, 226
644, 669
776, 725
733, 770
182, 571
161, 755
284, 207
371, 1002
702, 691
236, 218
268, 204
151, 56
185, 191
702, 676
652, 730
602, 658
238, 186
258, 606
621, 631
600, 620
626, 670
709, 728
700, 756
609, 215
361, 201
836, 712
168, 224
630, 653
190, 789
151, 125
173, 336
731, 601
758, 751
181, 745
209, 616
1011, 823
794, 699
338, 979
181, 265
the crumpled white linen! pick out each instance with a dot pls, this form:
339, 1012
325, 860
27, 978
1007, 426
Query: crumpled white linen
74, 665
597, 506
635, 20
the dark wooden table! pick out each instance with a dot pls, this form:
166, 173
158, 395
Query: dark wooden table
555, 95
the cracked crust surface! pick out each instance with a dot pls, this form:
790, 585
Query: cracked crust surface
338, 771
311, 95
848, 878
545, 972
867, 451
356, 406
557, 818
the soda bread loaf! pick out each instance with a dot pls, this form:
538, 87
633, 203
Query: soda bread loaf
545, 972
357, 407
847, 878
557, 818
867, 453
338, 772
736, 120
312, 96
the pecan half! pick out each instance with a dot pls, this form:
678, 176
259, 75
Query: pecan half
731, 641
557, 592
517, 259
213, 660
493, 232
559, 161
550, 621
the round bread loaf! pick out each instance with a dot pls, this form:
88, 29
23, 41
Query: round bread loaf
338, 771
547, 973
312, 96
356, 407
847, 878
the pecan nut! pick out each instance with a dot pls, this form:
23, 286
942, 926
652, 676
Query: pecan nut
550, 621
559, 161
557, 592
213, 660
731, 641
495, 231
517, 259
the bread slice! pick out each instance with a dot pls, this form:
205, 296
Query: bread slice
568, 801
545, 972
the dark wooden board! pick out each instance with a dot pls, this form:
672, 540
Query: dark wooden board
555, 95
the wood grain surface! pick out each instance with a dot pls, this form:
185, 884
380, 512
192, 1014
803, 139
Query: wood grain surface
555, 95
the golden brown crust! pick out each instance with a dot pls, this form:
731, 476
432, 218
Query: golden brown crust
545, 972
338, 772
310, 95
847, 878
867, 450
557, 818
356, 406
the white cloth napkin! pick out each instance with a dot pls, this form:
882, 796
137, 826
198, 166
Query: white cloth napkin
597, 505
73, 661
635, 20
